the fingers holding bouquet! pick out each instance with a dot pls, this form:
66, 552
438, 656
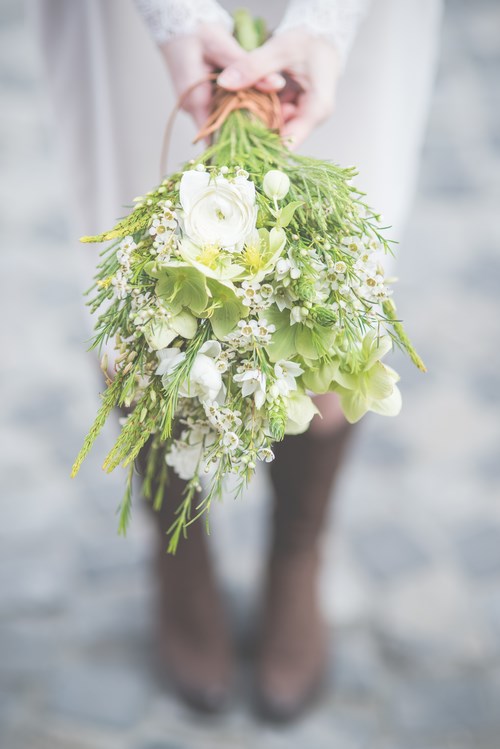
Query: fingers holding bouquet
310, 68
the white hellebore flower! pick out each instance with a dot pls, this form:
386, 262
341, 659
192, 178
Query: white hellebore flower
217, 211
204, 381
276, 184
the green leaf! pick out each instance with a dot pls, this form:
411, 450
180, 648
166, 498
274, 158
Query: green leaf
353, 403
185, 324
390, 406
300, 410
158, 334
279, 318
183, 286
167, 289
348, 380
282, 344
320, 379
288, 211
304, 341
324, 339
228, 308
379, 383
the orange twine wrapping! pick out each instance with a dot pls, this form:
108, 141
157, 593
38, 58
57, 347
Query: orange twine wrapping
265, 106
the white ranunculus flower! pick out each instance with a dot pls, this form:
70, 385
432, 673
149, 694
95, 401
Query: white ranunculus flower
185, 455
184, 459
168, 359
217, 211
204, 381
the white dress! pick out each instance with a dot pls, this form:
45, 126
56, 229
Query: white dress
111, 95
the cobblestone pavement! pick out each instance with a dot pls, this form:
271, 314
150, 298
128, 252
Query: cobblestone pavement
412, 575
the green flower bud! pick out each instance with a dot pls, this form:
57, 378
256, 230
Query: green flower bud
323, 316
277, 420
306, 288
276, 184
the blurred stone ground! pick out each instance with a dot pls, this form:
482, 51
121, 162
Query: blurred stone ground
411, 583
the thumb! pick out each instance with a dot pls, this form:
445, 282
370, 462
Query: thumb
264, 61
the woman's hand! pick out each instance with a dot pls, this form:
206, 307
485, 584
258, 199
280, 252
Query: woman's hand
192, 58
311, 67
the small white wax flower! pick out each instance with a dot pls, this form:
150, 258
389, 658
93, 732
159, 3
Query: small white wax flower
265, 454
230, 441
276, 184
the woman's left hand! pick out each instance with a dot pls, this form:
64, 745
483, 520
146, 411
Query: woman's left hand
311, 67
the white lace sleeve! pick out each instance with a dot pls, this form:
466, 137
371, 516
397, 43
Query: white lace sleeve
167, 19
337, 20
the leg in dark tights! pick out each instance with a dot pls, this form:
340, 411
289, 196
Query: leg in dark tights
194, 641
293, 638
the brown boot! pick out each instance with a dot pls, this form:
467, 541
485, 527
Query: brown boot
193, 636
292, 652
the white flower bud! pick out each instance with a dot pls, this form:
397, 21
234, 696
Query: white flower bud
276, 184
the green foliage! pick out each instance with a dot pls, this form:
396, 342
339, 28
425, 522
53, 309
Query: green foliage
182, 286
227, 308
287, 213
110, 399
400, 336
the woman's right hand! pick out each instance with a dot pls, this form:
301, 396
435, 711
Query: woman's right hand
191, 58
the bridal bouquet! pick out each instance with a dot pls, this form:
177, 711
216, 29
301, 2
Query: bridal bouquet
235, 290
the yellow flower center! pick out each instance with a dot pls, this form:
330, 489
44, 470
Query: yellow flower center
252, 256
105, 283
209, 255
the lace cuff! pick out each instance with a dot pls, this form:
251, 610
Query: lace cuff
167, 19
336, 20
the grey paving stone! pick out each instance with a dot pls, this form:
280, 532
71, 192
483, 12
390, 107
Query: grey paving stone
355, 666
28, 651
111, 696
488, 467
478, 550
47, 407
28, 586
101, 561
166, 744
462, 708
388, 551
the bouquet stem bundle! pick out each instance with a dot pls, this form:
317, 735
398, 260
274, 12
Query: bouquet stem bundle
235, 290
